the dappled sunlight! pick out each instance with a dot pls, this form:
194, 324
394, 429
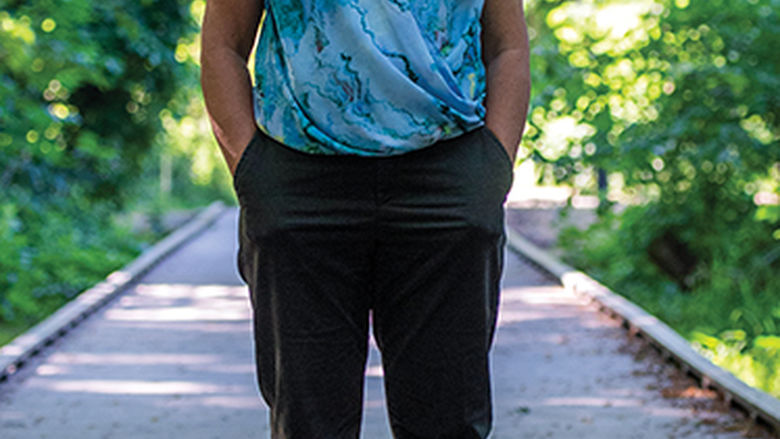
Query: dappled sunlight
591, 401
539, 295
209, 327
20, 29
125, 359
51, 369
510, 317
534, 303
176, 314
182, 302
664, 108
135, 387
18, 348
618, 19
375, 371
559, 133
119, 277
615, 24
162, 347
248, 402
170, 291
247, 368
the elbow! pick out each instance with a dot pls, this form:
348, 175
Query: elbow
517, 51
515, 58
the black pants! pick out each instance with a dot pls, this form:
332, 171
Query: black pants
414, 239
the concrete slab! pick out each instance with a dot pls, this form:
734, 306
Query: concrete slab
172, 357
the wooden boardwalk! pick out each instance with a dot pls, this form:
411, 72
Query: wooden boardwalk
172, 357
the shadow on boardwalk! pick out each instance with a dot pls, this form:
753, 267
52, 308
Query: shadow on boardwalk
172, 357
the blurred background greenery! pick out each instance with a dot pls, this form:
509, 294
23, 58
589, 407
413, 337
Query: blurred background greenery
665, 111
100, 116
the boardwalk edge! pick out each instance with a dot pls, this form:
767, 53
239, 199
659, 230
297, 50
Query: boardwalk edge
14, 354
756, 403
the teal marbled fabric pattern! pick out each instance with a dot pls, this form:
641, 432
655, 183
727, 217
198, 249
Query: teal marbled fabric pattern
369, 77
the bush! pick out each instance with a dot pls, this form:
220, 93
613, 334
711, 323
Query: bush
670, 101
85, 89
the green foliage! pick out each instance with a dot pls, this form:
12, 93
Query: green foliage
44, 264
81, 85
98, 101
741, 291
676, 102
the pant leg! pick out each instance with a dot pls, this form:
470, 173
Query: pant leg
439, 260
305, 255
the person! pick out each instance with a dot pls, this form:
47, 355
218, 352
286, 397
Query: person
371, 159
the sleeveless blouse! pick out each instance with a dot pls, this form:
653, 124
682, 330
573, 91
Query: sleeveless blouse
369, 77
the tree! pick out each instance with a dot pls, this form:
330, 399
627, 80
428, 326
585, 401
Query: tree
82, 86
677, 102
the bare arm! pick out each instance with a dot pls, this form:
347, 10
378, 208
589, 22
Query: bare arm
506, 57
229, 29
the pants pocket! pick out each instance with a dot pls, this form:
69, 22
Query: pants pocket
242, 161
493, 140
501, 155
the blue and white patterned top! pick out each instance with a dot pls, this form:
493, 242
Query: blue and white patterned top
369, 77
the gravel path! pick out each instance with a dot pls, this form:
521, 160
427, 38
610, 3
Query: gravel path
172, 357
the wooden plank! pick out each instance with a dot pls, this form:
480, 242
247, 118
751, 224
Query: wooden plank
15, 353
755, 401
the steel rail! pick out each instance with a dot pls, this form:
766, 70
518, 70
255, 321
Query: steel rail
758, 405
